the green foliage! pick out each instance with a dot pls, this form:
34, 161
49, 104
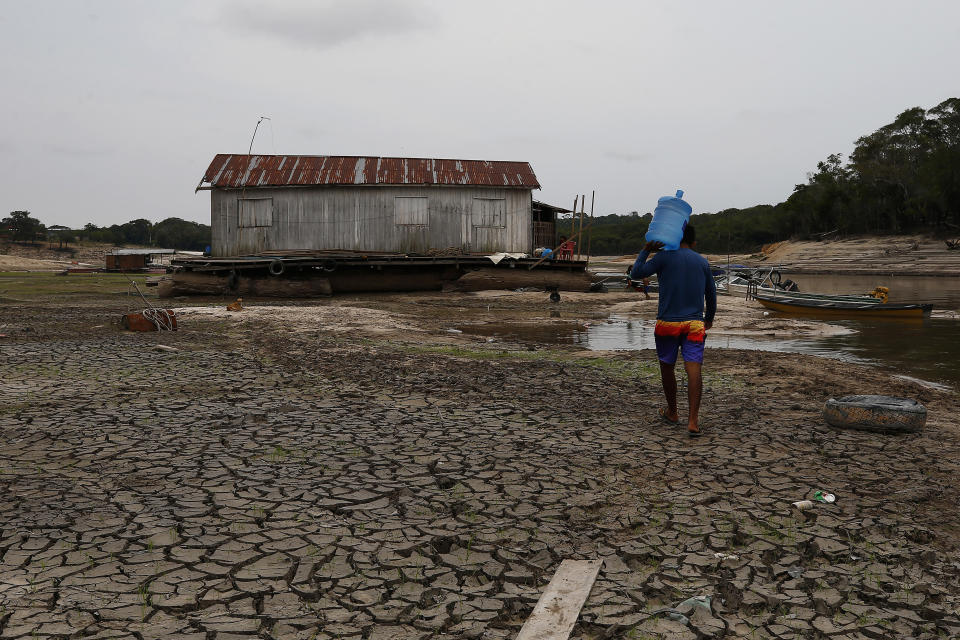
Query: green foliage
176, 233
22, 227
172, 233
611, 234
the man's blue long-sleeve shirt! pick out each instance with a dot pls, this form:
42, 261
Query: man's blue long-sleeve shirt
685, 282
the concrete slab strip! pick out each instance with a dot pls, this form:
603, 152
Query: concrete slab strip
559, 606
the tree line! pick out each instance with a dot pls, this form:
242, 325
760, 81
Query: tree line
902, 178
171, 233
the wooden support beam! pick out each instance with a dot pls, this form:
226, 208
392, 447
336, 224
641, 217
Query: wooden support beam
559, 607
583, 202
593, 197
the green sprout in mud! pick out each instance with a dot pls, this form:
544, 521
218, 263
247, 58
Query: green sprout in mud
278, 454
143, 593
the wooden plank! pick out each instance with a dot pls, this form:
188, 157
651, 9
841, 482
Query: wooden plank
559, 607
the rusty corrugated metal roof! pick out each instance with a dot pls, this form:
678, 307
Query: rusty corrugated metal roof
228, 170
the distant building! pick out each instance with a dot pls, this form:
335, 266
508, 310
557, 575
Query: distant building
133, 259
353, 203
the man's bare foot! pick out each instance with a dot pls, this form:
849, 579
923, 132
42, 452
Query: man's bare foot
667, 416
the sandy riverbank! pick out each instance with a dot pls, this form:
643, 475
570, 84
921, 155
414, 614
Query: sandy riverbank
870, 255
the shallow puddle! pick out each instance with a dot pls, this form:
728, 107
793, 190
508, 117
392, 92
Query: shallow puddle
559, 333
928, 349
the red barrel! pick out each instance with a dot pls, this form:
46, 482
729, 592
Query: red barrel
150, 320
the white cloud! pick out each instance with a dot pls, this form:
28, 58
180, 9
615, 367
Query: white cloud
626, 156
324, 25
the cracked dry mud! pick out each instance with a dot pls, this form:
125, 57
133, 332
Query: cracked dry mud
280, 484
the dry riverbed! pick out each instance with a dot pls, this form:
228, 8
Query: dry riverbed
354, 469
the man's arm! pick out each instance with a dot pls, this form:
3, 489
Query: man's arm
710, 297
641, 268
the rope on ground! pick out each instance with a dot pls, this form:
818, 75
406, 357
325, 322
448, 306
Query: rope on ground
161, 318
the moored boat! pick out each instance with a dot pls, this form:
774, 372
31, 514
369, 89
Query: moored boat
768, 281
839, 308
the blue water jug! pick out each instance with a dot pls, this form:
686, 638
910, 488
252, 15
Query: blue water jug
669, 219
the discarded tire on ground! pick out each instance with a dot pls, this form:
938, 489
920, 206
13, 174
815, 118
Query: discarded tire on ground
882, 414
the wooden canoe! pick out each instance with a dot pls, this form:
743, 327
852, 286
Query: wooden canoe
842, 309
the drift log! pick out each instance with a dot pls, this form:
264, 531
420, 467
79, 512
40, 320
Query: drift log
184, 284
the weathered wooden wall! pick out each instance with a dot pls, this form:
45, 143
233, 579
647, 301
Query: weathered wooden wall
371, 218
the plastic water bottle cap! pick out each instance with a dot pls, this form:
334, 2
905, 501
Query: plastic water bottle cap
679, 193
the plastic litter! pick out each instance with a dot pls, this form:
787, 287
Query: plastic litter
685, 610
676, 616
795, 572
820, 496
454, 331
726, 556
690, 605
803, 505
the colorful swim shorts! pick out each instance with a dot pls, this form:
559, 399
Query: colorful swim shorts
687, 336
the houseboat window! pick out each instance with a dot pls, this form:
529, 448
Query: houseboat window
255, 212
488, 212
411, 210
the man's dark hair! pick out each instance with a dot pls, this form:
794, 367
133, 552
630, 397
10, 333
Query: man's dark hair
689, 235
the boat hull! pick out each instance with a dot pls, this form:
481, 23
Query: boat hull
846, 310
743, 290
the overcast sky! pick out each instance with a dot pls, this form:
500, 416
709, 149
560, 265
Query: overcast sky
112, 110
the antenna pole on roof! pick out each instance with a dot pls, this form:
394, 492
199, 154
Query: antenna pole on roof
243, 190
262, 118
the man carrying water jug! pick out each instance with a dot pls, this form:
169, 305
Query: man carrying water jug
685, 285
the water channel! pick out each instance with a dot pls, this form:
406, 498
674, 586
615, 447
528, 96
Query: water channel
927, 349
